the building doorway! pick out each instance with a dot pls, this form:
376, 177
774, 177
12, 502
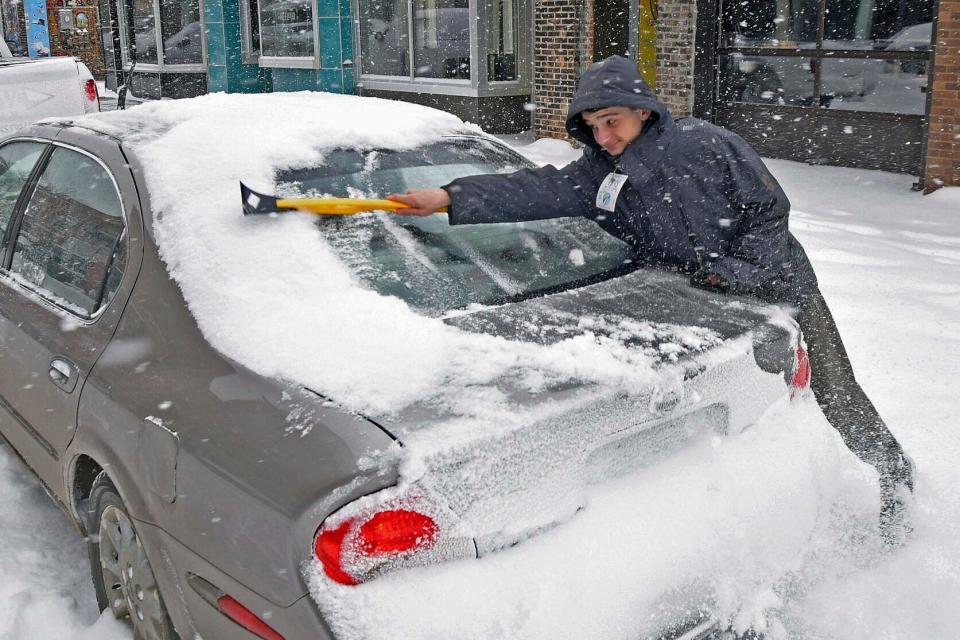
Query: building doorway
611, 28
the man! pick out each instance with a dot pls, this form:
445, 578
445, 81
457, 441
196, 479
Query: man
694, 197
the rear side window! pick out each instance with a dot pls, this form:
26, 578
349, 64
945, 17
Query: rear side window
71, 239
16, 162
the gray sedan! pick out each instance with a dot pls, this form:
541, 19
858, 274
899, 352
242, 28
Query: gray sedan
201, 504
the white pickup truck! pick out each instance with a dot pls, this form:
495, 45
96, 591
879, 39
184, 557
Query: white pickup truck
32, 89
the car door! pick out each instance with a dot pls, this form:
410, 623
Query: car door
64, 262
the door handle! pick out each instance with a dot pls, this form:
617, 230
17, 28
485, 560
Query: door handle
63, 373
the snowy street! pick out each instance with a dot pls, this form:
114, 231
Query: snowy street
888, 260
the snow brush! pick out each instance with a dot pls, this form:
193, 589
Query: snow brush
260, 203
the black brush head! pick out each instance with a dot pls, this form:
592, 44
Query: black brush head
257, 203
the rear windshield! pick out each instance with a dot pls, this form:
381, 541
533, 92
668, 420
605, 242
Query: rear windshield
436, 267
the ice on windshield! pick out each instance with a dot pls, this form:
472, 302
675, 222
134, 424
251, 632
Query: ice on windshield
428, 263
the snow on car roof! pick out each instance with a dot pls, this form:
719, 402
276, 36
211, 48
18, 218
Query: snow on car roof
269, 292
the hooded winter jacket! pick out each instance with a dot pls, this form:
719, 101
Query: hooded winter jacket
697, 197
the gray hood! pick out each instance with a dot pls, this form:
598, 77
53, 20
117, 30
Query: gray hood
614, 82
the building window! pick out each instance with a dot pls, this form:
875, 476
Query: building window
250, 30
385, 39
441, 43
10, 27
502, 40
181, 29
441, 38
180, 42
287, 30
444, 47
854, 55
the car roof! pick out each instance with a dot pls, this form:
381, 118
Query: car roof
299, 112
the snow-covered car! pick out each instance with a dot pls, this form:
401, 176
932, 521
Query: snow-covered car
298, 426
32, 89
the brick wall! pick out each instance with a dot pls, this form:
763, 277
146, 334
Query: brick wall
943, 146
562, 44
563, 48
676, 37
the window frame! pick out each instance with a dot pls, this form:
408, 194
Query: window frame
288, 62
39, 294
249, 52
479, 84
123, 6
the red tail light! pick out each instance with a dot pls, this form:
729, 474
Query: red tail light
246, 618
386, 533
327, 548
801, 375
396, 531
91, 89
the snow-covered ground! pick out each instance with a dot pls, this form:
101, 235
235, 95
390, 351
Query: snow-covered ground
889, 264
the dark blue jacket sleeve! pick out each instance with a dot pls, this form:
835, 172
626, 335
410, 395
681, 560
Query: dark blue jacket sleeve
528, 194
759, 253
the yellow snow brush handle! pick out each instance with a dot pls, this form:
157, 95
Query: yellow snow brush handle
255, 203
339, 206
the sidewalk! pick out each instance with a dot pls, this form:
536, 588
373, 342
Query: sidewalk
108, 98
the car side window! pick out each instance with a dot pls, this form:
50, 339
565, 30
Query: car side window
16, 162
72, 234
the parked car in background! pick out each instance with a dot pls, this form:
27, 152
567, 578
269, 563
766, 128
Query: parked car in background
234, 409
917, 37
32, 89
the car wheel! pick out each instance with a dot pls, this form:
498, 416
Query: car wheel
122, 576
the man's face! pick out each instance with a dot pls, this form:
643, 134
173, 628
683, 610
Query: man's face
616, 127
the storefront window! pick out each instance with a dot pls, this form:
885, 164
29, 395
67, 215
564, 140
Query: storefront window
456, 47
181, 29
384, 37
9, 25
250, 29
769, 23
286, 28
873, 54
502, 37
442, 38
143, 26
878, 24
776, 80
881, 86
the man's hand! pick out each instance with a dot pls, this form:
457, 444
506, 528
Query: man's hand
421, 202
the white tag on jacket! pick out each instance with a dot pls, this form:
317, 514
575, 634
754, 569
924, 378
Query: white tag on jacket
610, 191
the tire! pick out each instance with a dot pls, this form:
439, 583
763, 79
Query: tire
122, 576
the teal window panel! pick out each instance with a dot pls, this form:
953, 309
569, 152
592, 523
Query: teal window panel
348, 81
294, 79
328, 8
231, 10
249, 79
346, 39
231, 34
216, 51
216, 78
213, 10
345, 11
330, 80
330, 43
